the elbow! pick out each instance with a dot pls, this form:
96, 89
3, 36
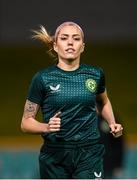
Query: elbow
23, 126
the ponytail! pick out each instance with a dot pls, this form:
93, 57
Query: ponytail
44, 37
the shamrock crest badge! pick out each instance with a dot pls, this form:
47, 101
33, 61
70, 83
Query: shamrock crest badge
91, 85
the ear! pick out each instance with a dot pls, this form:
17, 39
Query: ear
55, 47
82, 47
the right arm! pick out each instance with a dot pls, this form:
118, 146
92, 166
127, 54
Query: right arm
29, 124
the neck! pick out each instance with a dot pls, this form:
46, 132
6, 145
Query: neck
68, 65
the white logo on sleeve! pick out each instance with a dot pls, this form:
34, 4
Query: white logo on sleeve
97, 176
55, 88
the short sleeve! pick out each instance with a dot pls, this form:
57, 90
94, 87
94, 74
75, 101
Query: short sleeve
36, 89
101, 87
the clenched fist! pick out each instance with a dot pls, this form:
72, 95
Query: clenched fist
54, 123
116, 129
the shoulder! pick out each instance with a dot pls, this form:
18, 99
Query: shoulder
44, 71
41, 74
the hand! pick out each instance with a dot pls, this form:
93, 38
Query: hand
54, 123
116, 129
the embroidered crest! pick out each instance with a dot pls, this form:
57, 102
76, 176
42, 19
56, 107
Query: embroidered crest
91, 85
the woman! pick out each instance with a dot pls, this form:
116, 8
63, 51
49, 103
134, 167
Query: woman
69, 95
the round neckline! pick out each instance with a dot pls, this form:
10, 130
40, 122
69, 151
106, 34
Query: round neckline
68, 72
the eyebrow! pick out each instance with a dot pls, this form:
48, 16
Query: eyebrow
68, 35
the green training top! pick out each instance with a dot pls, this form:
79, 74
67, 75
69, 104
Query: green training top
74, 94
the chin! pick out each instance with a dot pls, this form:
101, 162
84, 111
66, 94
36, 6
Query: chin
70, 58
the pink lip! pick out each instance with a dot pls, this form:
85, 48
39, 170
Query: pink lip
70, 49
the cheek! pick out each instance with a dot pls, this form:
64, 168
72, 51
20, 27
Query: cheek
60, 48
80, 49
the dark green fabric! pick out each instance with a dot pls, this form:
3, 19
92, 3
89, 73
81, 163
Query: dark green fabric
73, 93
71, 162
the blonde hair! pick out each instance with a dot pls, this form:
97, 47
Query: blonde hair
46, 38
49, 40
69, 23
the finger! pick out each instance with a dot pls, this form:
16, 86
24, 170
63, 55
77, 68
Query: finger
118, 134
112, 129
118, 129
57, 114
55, 121
54, 130
54, 126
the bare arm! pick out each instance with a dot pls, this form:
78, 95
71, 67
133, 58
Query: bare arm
105, 109
29, 123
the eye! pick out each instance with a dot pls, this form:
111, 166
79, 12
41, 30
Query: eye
63, 38
77, 38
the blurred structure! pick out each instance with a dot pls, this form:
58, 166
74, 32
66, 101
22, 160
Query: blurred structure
19, 164
102, 20
115, 150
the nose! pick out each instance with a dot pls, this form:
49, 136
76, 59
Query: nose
70, 41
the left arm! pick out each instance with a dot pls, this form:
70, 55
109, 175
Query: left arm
105, 109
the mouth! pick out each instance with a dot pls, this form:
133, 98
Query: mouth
70, 50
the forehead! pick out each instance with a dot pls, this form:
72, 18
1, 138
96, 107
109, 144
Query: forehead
69, 30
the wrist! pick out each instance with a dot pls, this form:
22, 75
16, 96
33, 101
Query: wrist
112, 123
45, 128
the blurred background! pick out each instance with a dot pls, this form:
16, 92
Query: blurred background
111, 42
